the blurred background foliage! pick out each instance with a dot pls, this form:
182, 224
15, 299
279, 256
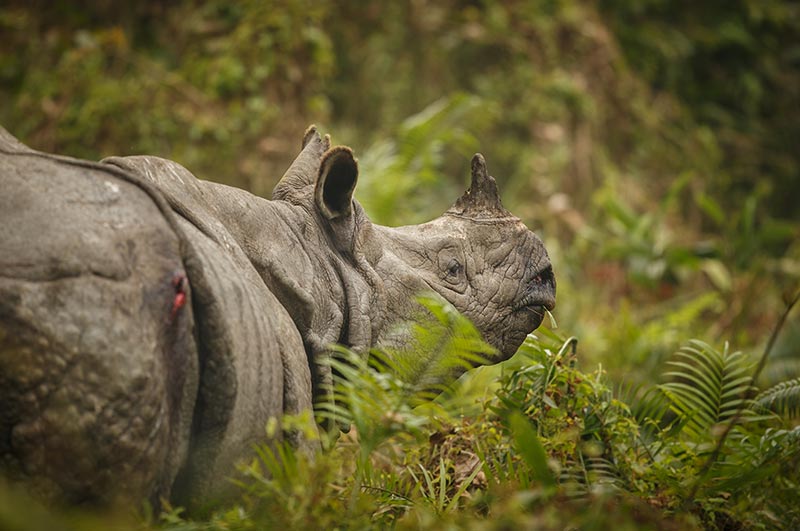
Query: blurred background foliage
652, 144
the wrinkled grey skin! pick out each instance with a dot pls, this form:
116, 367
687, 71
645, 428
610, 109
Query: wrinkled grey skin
152, 323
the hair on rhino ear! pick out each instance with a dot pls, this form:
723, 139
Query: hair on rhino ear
338, 173
312, 135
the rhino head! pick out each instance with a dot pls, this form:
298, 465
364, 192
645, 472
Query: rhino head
477, 255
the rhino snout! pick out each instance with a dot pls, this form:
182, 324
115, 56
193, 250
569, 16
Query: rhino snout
540, 292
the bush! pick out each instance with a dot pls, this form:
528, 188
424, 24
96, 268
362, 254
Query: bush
549, 447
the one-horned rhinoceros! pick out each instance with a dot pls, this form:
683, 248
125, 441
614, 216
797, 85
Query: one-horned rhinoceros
152, 323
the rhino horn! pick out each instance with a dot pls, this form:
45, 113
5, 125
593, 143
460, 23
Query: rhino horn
481, 201
303, 171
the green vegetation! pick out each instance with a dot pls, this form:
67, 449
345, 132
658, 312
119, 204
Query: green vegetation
653, 146
543, 446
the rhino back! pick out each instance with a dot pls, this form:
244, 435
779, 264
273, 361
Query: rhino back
97, 384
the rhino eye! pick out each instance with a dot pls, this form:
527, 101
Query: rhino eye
454, 268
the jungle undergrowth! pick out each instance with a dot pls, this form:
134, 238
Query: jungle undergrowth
550, 445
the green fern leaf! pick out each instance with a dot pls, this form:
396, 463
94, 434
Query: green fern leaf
783, 398
708, 387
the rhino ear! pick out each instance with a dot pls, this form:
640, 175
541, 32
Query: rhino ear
304, 169
338, 173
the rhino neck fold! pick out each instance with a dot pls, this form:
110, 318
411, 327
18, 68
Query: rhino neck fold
328, 287
398, 256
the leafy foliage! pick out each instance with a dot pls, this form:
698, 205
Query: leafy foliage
783, 398
709, 388
549, 447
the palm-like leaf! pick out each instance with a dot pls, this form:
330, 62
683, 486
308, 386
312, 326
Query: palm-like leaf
601, 473
708, 387
442, 344
783, 398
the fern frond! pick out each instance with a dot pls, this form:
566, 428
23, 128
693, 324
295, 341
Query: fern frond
601, 472
380, 395
441, 345
708, 387
783, 398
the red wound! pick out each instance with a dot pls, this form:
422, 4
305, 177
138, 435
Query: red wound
180, 283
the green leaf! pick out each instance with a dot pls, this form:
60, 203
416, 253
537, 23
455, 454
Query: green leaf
530, 448
708, 387
718, 274
783, 398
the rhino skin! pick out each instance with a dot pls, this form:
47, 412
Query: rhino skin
152, 323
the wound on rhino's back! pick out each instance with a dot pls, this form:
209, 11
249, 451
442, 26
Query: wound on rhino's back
86, 349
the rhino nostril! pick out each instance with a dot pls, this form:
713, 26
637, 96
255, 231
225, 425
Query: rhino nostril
544, 276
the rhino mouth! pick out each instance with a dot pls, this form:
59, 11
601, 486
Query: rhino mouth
535, 302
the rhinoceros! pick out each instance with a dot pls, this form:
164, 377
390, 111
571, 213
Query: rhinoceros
152, 323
